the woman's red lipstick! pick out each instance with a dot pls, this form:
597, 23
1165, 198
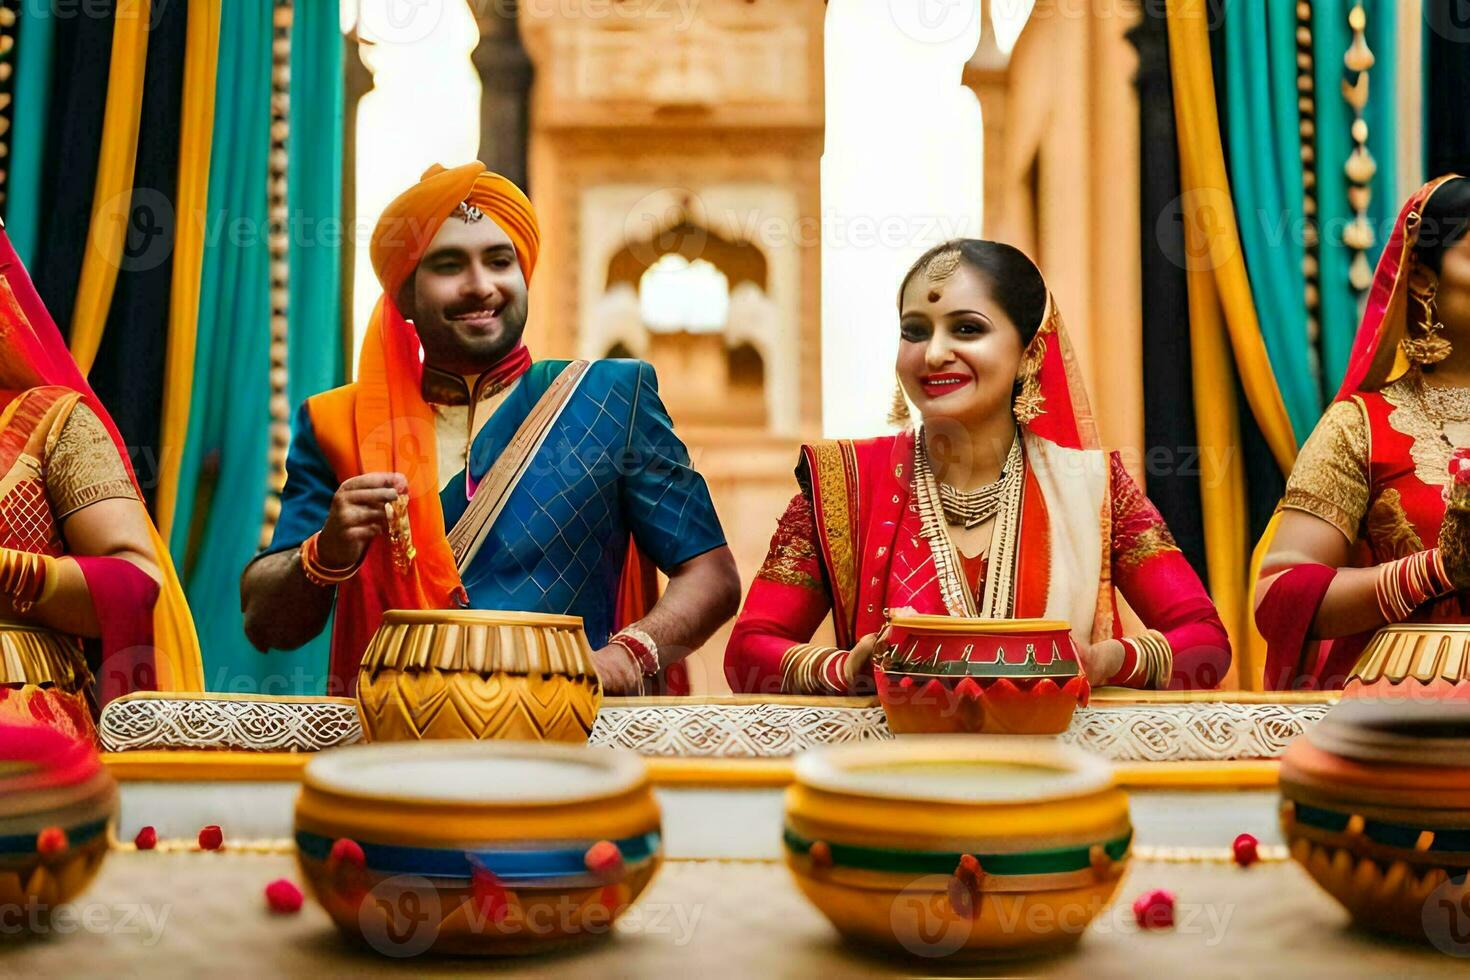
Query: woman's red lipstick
939, 385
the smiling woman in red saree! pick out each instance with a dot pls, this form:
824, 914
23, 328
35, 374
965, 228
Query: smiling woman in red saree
1363, 537
999, 505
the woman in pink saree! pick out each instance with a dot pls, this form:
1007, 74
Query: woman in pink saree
999, 504
1363, 537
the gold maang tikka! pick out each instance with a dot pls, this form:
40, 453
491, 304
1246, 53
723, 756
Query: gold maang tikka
400, 534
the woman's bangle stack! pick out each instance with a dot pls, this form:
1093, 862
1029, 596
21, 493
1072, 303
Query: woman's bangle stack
23, 577
1406, 584
810, 669
1148, 661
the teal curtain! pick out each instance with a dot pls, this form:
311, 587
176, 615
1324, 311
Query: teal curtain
1331, 38
314, 203
28, 139
222, 481
1264, 147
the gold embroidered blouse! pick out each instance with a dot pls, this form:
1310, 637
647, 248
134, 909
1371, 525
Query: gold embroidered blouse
1330, 478
83, 466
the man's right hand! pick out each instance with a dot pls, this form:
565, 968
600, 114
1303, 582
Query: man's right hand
356, 517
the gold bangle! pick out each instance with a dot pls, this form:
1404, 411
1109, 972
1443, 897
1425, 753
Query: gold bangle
801, 669
322, 575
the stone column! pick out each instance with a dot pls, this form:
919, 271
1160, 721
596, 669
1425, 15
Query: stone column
505, 99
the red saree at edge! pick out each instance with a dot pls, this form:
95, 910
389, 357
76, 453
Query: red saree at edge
148, 640
1404, 509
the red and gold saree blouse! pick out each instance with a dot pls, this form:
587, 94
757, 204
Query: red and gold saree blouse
852, 543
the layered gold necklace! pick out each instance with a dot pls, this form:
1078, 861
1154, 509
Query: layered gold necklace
935, 518
971, 508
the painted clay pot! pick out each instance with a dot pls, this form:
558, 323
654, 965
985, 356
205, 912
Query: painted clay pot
57, 804
946, 674
495, 848
478, 675
943, 846
1376, 807
44, 680
1428, 661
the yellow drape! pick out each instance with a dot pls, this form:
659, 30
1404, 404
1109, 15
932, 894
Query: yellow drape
113, 192
201, 53
1210, 212
1225, 336
175, 642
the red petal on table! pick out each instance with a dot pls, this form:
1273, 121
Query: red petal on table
211, 838
147, 839
1155, 909
283, 897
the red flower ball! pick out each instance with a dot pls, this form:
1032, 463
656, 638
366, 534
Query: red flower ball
51, 841
1246, 852
211, 838
147, 839
345, 850
1154, 910
604, 860
283, 897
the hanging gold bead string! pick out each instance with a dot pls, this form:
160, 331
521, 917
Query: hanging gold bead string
7, 97
280, 266
1306, 87
1360, 167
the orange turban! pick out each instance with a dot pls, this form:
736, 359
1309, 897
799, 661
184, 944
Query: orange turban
411, 220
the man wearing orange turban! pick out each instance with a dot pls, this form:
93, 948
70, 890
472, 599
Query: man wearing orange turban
458, 472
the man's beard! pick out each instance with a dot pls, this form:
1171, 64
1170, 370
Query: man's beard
450, 349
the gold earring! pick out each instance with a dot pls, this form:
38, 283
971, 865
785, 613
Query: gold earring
898, 415
1433, 346
1029, 403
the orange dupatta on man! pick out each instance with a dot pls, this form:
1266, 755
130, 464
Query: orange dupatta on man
382, 423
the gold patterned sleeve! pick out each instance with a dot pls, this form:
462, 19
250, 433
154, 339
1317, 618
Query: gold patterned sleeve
793, 558
1330, 478
83, 465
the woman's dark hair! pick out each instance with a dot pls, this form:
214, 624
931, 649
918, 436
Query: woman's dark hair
1014, 280
1445, 220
